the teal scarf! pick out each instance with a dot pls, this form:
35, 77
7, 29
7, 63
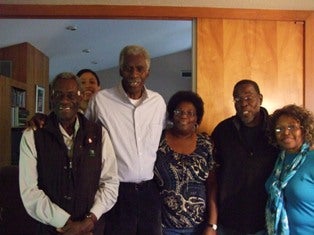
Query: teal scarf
276, 215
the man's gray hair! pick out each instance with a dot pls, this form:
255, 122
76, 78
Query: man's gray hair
134, 50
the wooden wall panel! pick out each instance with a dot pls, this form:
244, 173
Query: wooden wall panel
268, 52
5, 120
29, 68
309, 64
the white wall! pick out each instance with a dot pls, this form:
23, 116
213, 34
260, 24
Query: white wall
165, 76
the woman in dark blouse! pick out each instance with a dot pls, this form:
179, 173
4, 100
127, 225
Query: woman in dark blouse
184, 170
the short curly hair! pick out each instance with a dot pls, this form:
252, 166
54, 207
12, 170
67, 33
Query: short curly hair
186, 96
134, 50
65, 76
302, 115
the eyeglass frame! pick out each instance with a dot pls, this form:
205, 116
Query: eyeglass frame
179, 112
290, 128
59, 95
249, 99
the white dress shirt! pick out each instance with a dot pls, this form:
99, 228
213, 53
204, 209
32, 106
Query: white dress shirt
135, 129
37, 203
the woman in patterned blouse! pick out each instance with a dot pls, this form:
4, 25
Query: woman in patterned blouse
184, 170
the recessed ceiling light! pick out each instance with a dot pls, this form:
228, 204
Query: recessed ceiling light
86, 50
71, 27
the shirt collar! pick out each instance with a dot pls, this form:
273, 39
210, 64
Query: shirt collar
125, 96
76, 127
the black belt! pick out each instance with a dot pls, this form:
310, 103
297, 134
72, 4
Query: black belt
136, 186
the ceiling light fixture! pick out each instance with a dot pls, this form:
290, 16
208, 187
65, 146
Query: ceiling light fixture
71, 27
86, 51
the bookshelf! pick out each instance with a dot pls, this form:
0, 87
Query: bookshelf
19, 113
30, 67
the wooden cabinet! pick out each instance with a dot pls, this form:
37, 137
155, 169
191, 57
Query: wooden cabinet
30, 67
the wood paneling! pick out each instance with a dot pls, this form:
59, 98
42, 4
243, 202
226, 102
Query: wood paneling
140, 12
29, 68
309, 64
5, 121
268, 52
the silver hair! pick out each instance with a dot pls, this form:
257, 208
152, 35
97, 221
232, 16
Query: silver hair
134, 50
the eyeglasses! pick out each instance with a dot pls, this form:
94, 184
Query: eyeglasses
59, 95
179, 112
248, 99
290, 128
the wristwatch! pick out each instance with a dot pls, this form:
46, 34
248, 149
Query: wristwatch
213, 226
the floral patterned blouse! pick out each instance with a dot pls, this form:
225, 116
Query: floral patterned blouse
182, 182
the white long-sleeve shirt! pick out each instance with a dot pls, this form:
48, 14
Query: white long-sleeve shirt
135, 130
37, 203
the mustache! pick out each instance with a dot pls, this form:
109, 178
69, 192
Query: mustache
133, 81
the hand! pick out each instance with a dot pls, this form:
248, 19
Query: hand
83, 227
209, 231
37, 121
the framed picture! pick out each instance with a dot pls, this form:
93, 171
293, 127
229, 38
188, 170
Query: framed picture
40, 99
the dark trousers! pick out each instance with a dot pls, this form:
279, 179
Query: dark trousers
137, 211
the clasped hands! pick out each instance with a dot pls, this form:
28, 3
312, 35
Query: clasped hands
83, 227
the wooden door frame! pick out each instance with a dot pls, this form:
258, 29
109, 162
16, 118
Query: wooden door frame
175, 13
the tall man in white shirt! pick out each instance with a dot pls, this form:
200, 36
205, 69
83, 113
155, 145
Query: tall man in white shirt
68, 170
134, 117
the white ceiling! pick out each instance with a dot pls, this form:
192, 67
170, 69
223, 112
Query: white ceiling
104, 39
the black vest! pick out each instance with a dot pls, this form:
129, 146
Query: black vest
72, 186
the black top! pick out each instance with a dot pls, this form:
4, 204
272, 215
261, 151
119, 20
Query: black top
246, 160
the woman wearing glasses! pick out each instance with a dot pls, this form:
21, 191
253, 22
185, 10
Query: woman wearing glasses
290, 206
185, 169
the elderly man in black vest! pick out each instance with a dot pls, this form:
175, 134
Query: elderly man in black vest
68, 171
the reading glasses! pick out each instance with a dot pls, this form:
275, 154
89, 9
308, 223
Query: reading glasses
59, 95
290, 128
248, 99
179, 112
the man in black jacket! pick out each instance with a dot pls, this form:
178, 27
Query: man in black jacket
246, 160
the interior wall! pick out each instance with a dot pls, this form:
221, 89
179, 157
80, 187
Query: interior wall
165, 75
198, 13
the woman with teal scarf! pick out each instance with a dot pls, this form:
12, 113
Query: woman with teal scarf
290, 205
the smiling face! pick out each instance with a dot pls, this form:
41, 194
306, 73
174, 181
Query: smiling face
185, 118
65, 100
89, 85
247, 103
289, 134
134, 72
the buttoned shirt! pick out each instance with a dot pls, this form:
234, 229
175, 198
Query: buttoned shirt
135, 129
38, 204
